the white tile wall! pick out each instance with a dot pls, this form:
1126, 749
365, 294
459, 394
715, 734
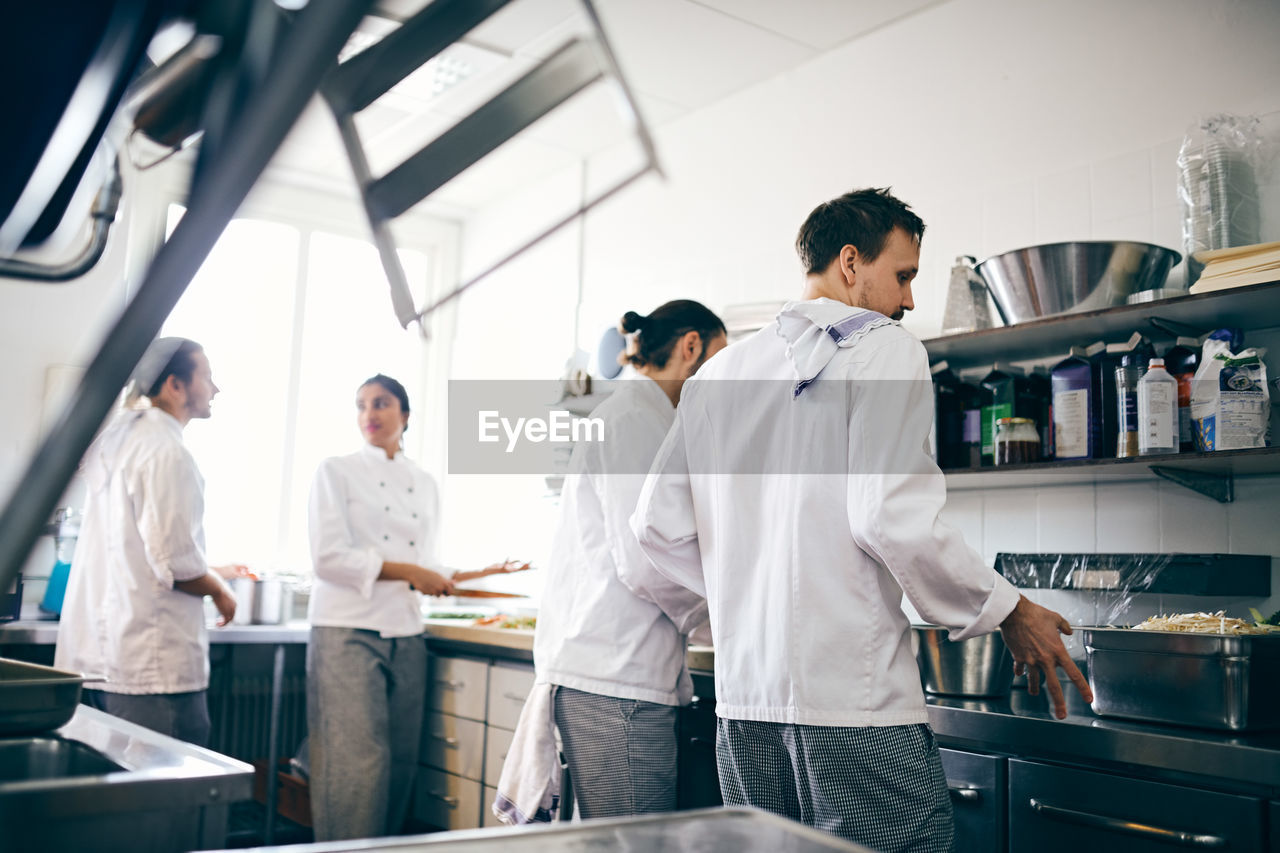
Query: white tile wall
1065, 520
1136, 517
1191, 522
1128, 518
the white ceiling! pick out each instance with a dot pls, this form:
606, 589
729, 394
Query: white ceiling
678, 56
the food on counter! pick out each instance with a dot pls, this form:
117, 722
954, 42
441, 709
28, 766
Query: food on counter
517, 623
456, 614
1204, 623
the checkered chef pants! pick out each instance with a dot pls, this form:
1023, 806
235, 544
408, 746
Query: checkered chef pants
621, 753
882, 787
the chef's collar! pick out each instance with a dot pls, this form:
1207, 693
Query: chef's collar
816, 329
375, 452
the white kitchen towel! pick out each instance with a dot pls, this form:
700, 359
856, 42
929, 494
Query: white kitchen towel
529, 788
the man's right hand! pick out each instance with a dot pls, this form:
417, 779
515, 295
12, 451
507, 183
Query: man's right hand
1034, 637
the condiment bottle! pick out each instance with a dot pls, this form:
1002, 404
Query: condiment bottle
1181, 360
1017, 441
1000, 383
1157, 411
1074, 435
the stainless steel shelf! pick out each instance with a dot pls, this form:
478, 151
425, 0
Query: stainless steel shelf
1252, 307
1215, 471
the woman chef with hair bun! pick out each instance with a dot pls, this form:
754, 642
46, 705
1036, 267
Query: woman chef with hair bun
611, 654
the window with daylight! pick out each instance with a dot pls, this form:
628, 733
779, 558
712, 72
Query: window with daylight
292, 316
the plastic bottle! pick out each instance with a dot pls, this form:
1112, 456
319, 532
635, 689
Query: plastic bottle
1157, 410
1181, 360
1074, 433
972, 400
1000, 383
1041, 391
1133, 364
948, 417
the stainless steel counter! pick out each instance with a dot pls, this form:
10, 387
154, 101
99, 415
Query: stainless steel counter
1022, 726
105, 784
41, 632
735, 829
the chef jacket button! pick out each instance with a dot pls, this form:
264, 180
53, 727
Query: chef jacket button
382, 484
410, 542
411, 490
386, 537
415, 515
388, 509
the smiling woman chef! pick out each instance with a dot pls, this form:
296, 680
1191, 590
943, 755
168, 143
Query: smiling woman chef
373, 519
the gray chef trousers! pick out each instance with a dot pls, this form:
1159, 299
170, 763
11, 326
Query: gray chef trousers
621, 753
365, 697
184, 716
880, 786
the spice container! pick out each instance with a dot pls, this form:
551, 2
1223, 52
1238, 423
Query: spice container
1017, 441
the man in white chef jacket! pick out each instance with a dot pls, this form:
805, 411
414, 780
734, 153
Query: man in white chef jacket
827, 516
134, 609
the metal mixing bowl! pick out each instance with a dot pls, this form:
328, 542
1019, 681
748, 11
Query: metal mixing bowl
1055, 278
978, 666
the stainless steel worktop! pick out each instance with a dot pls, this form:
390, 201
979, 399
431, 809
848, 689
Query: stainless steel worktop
102, 783
44, 632
1022, 726
734, 828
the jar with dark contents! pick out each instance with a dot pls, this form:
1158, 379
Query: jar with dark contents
1017, 441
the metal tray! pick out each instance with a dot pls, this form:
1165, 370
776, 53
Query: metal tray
1212, 681
35, 698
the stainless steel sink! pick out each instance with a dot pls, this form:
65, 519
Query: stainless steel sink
50, 758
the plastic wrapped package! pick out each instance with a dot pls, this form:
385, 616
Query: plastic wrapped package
1110, 580
1218, 164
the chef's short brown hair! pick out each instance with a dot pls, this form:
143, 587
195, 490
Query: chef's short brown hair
862, 218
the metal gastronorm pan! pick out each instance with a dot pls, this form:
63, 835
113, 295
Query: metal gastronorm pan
1213, 681
35, 698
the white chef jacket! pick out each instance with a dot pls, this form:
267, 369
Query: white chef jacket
804, 571
143, 531
599, 629
366, 509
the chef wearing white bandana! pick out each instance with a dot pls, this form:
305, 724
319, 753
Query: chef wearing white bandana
795, 490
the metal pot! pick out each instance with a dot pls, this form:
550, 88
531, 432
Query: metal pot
978, 666
1040, 281
262, 602
35, 698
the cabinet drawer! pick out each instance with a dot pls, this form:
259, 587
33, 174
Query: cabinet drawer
458, 686
1060, 809
453, 744
487, 817
496, 744
446, 801
979, 800
509, 686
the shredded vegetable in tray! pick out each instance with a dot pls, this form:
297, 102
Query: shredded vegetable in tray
1204, 623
